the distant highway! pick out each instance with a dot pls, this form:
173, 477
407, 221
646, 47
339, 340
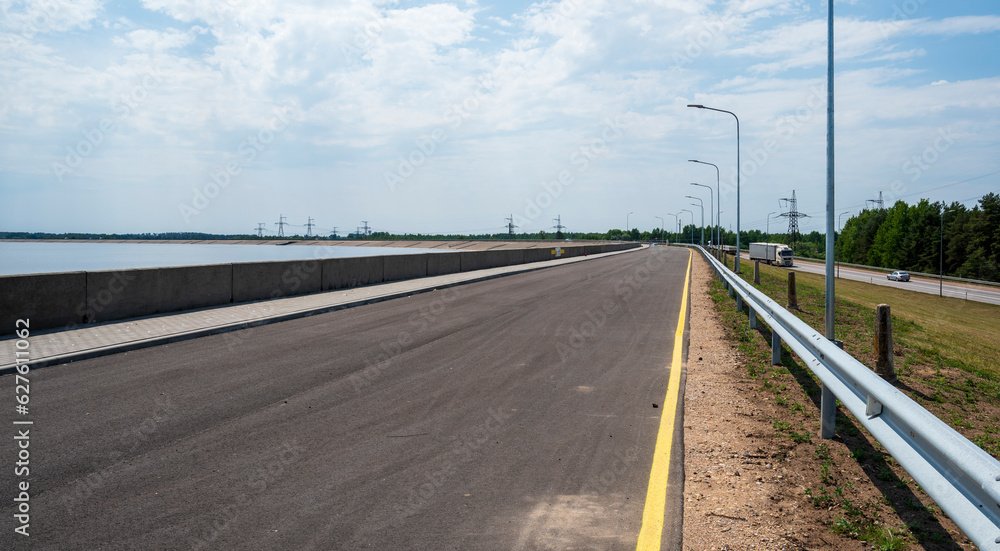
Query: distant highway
515, 413
977, 293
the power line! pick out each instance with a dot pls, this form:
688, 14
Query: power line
281, 225
793, 215
558, 227
878, 202
510, 225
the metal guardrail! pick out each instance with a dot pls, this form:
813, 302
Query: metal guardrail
959, 476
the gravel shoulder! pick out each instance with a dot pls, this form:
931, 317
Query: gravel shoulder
756, 474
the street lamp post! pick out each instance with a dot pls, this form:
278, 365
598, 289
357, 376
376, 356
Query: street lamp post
676, 222
661, 226
941, 253
718, 205
722, 237
626, 222
768, 229
828, 402
711, 196
692, 223
839, 227
702, 205
736, 266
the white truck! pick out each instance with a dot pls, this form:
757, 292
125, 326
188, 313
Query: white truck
773, 253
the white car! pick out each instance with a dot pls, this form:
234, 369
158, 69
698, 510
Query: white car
898, 276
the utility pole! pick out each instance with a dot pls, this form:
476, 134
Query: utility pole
793, 216
510, 226
559, 227
309, 227
260, 229
878, 203
281, 225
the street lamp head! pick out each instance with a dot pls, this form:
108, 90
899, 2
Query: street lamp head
696, 106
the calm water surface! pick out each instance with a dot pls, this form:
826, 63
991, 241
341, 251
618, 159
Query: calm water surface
36, 258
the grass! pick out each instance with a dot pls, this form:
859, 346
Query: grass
948, 331
945, 348
945, 352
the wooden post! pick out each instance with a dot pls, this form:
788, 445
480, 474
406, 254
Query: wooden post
793, 301
884, 363
756, 272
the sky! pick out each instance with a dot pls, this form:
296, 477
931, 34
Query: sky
450, 117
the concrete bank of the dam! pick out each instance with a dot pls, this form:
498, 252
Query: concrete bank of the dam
69, 299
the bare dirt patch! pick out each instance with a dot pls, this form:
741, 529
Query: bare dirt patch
757, 474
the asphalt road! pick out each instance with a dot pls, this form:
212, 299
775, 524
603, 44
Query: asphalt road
919, 284
516, 413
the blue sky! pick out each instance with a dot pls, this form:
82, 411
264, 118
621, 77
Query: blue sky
182, 115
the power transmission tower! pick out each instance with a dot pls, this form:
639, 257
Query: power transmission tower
510, 226
260, 229
559, 227
877, 202
309, 227
335, 232
281, 225
368, 231
793, 216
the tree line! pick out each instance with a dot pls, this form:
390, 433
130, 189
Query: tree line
901, 237
910, 237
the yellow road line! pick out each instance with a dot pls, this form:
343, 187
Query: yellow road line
656, 495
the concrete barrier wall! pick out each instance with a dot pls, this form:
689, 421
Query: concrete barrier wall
495, 259
570, 252
72, 298
538, 255
45, 300
266, 280
474, 260
342, 273
512, 257
120, 294
405, 266
443, 263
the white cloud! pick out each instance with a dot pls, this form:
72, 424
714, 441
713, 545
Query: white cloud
362, 82
155, 41
952, 26
31, 17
